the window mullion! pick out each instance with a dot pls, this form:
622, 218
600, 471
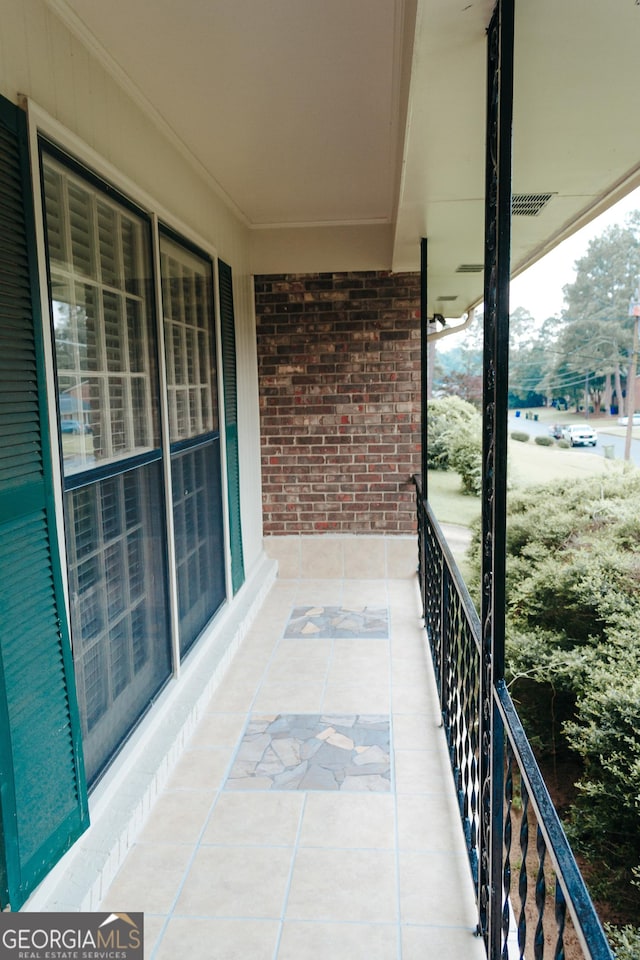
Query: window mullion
165, 443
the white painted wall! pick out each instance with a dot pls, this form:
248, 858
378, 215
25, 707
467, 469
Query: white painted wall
42, 59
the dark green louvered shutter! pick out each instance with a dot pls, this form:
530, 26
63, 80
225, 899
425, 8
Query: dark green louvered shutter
43, 802
228, 332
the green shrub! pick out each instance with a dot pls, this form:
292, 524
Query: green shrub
520, 436
447, 417
625, 941
564, 444
573, 657
544, 441
465, 457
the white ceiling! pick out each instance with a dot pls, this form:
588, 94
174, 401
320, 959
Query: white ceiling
317, 117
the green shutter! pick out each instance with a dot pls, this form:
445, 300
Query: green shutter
228, 333
43, 802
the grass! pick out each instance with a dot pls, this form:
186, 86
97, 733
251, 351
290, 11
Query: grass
529, 465
450, 504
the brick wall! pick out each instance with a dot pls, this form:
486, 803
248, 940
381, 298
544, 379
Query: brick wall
339, 379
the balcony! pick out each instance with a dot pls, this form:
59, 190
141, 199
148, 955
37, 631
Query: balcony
313, 812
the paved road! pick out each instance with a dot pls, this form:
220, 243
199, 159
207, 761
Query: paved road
535, 428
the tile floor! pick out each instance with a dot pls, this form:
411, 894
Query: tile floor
313, 814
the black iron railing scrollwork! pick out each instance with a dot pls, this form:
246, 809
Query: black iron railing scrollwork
541, 898
531, 899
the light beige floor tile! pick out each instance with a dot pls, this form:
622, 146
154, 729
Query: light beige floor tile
321, 557
232, 699
339, 941
289, 696
429, 822
326, 592
343, 885
286, 550
367, 593
443, 943
236, 882
300, 659
149, 880
409, 670
362, 649
422, 771
217, 730
174, 820
417, 731
348, 820
200, 769
153, 926
405, 590
408, 641
265, 818
364, 558
413, 698
365, 672
294, 650
356, 698
436, 888
282, 589
402, 557
195, 938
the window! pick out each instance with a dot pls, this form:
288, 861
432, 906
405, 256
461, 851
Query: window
101, 291
108, 400
187, 305
106, 324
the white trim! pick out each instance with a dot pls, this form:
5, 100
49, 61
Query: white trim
49, 353
41, 124
78, 28
330, 224
222, 429
165, 444
121, 803
70, 143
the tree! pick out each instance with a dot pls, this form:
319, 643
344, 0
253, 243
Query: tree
528, 358
596, 335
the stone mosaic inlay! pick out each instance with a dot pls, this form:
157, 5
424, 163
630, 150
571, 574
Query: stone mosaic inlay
365, 623
313, 752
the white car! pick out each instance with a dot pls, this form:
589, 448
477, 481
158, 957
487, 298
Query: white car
580, 435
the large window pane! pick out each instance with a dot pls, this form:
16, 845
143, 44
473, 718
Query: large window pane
105, 351
187, 303
198, 537
117, 580
100, 267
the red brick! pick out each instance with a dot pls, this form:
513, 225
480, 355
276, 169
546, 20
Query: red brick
339, 401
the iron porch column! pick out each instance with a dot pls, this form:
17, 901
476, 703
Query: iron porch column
494, 450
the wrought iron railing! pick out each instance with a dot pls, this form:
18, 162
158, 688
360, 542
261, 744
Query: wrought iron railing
545, 908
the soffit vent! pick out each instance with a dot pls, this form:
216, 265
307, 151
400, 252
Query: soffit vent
448, 298
470, 268
529, 204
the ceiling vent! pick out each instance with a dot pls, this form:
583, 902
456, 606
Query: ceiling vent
470, 268
529, 204
448, 298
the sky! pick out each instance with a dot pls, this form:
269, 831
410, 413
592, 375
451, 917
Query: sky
539, 289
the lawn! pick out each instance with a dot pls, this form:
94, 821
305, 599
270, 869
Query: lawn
529, 465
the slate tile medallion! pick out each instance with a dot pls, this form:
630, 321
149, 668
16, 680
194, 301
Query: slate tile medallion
313, 752
329, 623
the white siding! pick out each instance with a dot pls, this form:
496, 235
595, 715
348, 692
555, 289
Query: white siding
42, 59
